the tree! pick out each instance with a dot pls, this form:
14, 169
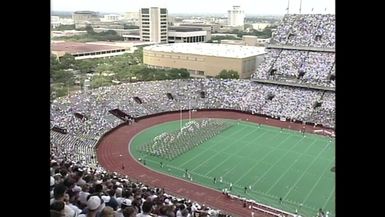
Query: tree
65, 27
54, 63
248, 26
138, 55
231, 74
182, 73
67, 61
61, 76
86, 66
219, 38
235, 31
126, 26
89, 29
59, 92
99, 80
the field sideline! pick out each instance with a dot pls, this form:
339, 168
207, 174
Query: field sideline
273, 162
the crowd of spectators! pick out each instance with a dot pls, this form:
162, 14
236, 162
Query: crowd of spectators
298, 66
301, 64
80, 187
306, 30
79, 190
268, 99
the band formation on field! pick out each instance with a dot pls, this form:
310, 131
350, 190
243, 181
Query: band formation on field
170, 145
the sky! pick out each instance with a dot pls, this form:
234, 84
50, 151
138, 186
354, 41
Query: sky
251, 7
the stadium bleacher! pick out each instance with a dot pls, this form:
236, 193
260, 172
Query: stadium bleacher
79, 120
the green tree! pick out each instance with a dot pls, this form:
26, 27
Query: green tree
138, 55
61, 76
67, 61
90, 30
65, 27
86, 66
99, 81
59, 92
126, 26
219, 38
178, 73
54, 64
230, 74
248, 26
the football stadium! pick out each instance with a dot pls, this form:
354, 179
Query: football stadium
263, 146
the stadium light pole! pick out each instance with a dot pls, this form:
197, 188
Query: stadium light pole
189, 110
300, 6
288, 5
180, 119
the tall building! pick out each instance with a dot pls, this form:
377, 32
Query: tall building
236, 17
153, 24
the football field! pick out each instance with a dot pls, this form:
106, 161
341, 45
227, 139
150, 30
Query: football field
271, 163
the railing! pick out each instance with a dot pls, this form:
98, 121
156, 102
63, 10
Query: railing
290, 47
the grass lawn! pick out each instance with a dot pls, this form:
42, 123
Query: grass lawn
274, 163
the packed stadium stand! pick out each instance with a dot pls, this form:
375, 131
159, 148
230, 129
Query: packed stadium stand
301, 52
296, 82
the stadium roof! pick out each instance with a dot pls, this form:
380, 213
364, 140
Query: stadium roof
77, 47
209, 49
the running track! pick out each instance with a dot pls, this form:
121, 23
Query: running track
113, 152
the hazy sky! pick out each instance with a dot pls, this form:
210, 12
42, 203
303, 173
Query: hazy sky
255, 7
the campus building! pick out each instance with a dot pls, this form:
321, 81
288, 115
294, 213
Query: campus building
204, 59
153, 24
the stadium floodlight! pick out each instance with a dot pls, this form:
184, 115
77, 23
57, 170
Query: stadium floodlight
288, 6
180, 119
189, 109
300, 6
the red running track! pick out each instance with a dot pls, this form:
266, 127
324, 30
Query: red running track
113, 152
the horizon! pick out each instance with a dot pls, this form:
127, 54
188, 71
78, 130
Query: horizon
214, 7
173, 14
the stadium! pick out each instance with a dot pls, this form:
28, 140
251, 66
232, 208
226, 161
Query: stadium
210, 147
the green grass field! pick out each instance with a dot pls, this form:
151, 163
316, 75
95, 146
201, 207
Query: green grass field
274, 163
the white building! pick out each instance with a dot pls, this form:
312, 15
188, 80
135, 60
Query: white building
83, 18
132, 18
55, 21
236, 16
260, 26
66, 21
204, 59
188, 35
153, 24
111, 18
